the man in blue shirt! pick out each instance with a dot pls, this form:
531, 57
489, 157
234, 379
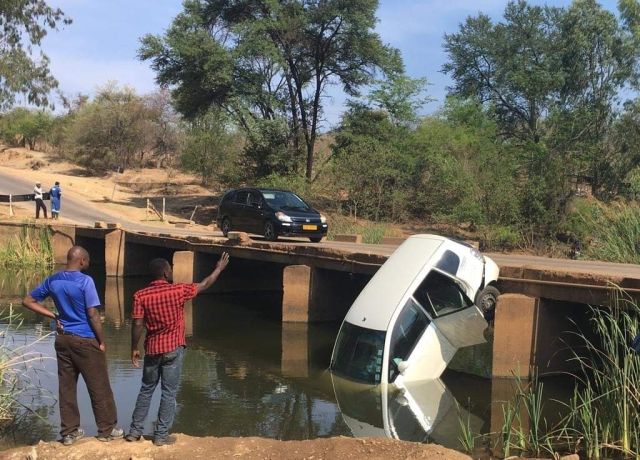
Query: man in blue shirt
80, 347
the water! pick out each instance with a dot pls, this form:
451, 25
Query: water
246, 374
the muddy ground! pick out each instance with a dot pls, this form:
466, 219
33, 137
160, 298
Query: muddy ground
191, 448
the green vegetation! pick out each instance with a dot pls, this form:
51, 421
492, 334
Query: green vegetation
31, 249
535, 117
24, 68
601, 418
371, 232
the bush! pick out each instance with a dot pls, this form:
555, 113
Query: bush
499, 238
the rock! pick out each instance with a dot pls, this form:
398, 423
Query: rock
114, 225
100, 224
570, 457
239, 237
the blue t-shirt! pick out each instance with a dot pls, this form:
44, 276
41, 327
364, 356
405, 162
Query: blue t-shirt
73, 292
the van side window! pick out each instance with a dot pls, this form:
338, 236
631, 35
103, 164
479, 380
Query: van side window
411, 323
441, 295
242, 197
449, 263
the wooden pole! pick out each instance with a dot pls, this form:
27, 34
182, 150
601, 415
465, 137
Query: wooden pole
193, 213
147, 210
10, 205
163, 209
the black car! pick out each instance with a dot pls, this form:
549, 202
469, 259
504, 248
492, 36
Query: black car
271, 213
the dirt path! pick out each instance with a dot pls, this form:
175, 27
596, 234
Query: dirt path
193, 448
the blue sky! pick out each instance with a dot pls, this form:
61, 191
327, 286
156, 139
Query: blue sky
101, 43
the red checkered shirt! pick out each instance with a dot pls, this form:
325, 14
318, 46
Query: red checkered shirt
161, 304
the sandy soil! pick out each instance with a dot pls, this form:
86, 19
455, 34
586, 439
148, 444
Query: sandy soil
237, 448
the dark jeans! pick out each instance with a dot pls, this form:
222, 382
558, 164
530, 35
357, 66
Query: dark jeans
82, 356
166, 369
40, 204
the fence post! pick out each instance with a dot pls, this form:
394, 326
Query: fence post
163, 209
146, 211
10, 205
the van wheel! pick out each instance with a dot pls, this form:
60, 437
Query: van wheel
270, 231
226, 226
486, 300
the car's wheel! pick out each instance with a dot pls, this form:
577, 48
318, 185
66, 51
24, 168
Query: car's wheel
315, 239
486, 300
226, 226
270, 231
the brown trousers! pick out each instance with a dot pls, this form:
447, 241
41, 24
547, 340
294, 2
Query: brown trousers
81, 356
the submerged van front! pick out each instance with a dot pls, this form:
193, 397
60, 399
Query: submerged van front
414, 314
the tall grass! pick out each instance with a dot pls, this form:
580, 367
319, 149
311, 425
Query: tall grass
613, 232
602, 418
371, 232
605, 409
32, 248
14, 364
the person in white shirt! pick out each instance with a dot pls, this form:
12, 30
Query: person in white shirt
37, 191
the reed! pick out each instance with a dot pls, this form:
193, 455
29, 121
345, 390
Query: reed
14, 361
32, 249
467, 436
602, 416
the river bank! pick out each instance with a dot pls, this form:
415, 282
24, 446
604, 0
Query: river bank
236, 448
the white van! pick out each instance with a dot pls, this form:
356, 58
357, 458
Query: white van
414, 314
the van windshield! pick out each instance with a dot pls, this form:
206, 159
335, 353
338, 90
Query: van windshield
284, 200
358, 354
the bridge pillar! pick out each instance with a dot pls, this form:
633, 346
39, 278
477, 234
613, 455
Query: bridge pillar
185, 266
316, 294
531, 332
114, 301
296, 281
62, 239
514, 335
114, 252
295, 350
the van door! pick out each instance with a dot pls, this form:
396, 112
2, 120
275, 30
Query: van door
453, 313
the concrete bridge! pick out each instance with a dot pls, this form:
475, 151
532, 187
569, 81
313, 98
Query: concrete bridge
541, 298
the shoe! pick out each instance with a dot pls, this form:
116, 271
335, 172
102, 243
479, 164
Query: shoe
132, 437
70, 438
165, 441
116, 433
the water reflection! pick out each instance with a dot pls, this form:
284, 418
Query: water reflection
420, 411
245, 374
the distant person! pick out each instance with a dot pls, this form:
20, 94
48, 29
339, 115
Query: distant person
37, 191
159, 308
80, 347
56, 194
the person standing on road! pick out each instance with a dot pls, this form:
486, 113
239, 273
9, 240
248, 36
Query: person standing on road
37, 191
79, 345
159, 308
56, 194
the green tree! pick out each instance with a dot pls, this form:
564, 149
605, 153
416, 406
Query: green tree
401, 97
25, 127
209, 148
112, 131
269, 60
370, 162
24, 68
514, 66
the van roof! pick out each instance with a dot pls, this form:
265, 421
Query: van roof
381, 296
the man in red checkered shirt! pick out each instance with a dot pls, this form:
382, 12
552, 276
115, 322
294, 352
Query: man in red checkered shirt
159, 308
